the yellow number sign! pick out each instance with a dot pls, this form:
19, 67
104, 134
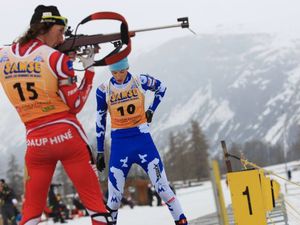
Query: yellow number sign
247, 197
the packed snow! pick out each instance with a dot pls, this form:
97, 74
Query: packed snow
199, 201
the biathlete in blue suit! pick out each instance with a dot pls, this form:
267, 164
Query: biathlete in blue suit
123, 96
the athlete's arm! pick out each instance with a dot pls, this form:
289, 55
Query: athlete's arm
74, 96
101, 117
152, 84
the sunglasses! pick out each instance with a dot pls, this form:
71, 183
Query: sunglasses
54, 19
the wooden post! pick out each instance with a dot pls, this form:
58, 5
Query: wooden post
227, 160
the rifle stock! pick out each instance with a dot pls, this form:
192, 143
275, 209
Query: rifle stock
85, 40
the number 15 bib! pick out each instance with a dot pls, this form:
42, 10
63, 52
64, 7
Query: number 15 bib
30, 83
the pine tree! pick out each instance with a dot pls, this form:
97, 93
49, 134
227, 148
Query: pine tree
198, 153
236, 149
14, 176
294, 150
181, 157
170, 166
258, 152
176, 158
276, 154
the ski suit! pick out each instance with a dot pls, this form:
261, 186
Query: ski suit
131, 140
40, 83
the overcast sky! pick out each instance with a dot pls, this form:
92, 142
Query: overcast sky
206, 16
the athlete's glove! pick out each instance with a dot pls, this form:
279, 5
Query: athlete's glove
88, 61
100, 161
149, 115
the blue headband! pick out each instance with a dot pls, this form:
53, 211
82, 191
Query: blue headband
121, 65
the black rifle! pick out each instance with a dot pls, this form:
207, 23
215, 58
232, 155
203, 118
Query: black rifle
79, 43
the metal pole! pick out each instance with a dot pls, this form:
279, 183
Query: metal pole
218, 193
285, 151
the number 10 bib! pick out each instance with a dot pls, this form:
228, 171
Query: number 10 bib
126, 105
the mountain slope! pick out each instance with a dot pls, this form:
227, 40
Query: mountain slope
239, 87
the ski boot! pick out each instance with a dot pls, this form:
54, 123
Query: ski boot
182, 220
99, 217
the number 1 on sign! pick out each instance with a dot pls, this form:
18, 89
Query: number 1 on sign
246, 192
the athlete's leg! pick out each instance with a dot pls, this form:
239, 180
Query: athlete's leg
151, 162
119, 166
83, 173
38, 175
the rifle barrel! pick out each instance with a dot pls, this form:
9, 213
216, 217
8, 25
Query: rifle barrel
157, 28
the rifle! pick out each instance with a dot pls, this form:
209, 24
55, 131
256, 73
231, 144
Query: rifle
75, 42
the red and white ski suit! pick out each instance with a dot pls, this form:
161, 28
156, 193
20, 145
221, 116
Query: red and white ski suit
39, 82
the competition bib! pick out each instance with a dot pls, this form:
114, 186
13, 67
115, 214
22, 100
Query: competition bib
126, 105
30, 84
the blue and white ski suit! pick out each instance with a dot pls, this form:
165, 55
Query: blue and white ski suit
131, 142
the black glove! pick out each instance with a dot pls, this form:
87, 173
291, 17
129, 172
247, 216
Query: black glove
100, 161
149, 115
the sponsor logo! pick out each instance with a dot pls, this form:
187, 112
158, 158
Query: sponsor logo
48, 108
22, 67
37, 142
72, 92
160, 189
4, 59
157, 171
38, 59
70, 65
114, 199
124, 95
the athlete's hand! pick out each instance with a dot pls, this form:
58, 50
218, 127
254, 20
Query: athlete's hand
100, 161
88, 61
149, 115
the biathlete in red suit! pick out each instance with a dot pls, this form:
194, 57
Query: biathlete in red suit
39, 81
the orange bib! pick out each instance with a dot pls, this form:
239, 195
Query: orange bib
30, 83
126, 105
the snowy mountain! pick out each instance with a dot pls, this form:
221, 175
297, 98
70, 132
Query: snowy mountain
239, 87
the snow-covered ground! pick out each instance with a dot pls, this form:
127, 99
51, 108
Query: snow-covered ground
196, 201
291, 191
199, 201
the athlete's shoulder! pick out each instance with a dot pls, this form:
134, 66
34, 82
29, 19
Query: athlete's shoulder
101, 92
102, 88
61, 64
